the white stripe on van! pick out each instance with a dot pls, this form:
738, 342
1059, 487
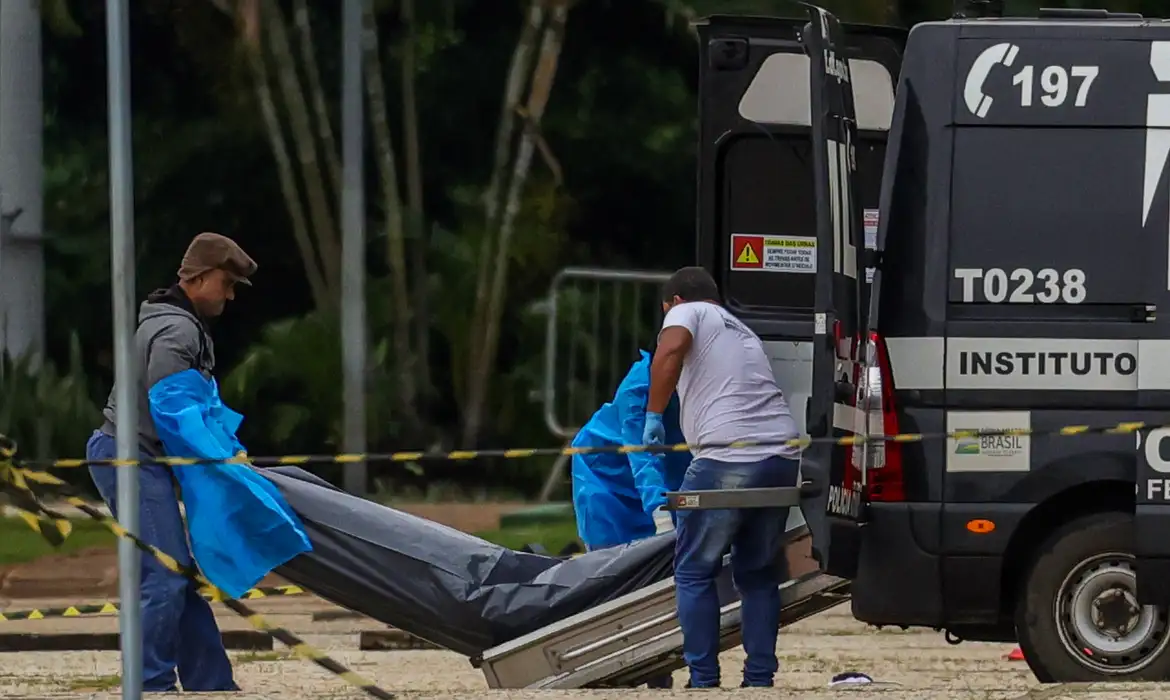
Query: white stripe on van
917, 363
1030, 364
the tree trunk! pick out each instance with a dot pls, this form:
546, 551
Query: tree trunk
324, 223
284, 169
324, 124
519, 76
395, 243
417, 215
542, 82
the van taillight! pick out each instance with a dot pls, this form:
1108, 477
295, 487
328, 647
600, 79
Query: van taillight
884, 459
847, 351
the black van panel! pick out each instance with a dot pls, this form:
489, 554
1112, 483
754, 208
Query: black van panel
1062, 201
1059, 244
906, 299
755, 176
756, 168
1072, 77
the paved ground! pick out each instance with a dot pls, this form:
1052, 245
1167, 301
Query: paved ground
915, 665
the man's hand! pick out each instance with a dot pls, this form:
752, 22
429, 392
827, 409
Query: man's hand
654, 433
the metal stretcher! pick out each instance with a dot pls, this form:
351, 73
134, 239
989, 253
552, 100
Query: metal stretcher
627, 641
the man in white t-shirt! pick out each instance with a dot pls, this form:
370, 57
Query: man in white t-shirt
727, 393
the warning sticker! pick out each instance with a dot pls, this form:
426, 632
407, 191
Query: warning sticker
747, 252
774, 253
871, 221
871, 227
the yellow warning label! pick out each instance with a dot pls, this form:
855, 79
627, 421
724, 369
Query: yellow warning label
747, 256
790, 242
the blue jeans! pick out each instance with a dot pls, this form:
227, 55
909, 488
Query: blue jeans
755, 538
178, 627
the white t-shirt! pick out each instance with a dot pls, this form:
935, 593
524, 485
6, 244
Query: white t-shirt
726, 390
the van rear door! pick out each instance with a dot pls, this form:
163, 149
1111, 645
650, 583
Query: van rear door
762, 230
840, 270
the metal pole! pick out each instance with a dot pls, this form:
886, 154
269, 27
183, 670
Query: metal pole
125, 372
353, 245
22, 265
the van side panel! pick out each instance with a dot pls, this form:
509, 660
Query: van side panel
1045, 327
1020, 316
899, 578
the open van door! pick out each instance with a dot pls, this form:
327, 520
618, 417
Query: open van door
839, 278
793, 113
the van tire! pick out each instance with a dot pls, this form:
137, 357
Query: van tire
1077, 558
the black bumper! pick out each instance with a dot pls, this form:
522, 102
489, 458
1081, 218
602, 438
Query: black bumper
897, 582
1151, 523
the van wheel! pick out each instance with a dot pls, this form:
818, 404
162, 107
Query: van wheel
1077, 618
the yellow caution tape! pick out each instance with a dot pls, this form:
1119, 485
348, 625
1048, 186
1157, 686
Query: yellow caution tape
466, 455
267, 592
70, 611
53, 529
109, 607
16, 480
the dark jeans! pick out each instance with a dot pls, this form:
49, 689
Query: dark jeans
178, 627
755, 538
663, 682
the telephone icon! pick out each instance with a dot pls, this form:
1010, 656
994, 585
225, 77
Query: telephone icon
992, 56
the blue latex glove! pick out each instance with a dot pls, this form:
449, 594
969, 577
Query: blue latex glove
654, 433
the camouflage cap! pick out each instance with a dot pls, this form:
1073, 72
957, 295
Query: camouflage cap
211, 251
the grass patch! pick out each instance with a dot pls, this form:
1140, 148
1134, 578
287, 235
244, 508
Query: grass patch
20, 544
95, 684
553, 536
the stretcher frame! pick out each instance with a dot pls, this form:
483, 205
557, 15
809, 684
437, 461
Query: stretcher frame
627, 641
630, 640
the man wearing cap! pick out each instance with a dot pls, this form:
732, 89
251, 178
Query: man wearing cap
178, 626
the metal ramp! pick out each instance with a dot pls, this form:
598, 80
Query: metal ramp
627, 641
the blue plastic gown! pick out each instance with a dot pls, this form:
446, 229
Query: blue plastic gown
615, 495
240, 526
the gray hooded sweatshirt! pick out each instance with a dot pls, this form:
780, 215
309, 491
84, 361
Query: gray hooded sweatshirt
170, 339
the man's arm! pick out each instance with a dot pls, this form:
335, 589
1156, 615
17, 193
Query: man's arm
173, 349
645, 467
674, 342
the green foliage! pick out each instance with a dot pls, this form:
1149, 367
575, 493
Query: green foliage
47, 411
552, 536
287, 382
288, 385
